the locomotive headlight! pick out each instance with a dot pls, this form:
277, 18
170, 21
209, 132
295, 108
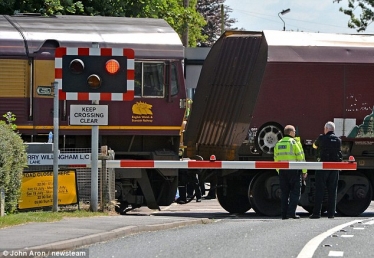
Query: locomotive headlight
94, 81
112, 66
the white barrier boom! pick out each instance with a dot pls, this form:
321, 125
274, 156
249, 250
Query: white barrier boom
202, 164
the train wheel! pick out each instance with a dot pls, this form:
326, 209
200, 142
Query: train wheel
357, 198
267, 136
264, 194
232, 195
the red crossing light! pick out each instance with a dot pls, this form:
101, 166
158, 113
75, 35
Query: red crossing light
112, 66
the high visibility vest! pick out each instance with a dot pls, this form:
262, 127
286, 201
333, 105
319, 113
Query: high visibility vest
297, 139
288, 149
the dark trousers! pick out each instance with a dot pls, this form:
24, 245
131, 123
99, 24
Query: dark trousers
193, 185
186, 178
326, 179
213, 185
290, 185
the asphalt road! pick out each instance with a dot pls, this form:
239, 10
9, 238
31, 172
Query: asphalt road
246, 235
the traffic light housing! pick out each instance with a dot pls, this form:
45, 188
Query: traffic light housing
94, 74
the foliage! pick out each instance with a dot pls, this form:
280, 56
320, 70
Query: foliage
203, 17
13, 159
190, 18
211, 11
172, 11
175, 14
366, 17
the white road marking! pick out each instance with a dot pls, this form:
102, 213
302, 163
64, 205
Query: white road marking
312, 245
346, 236
370, 222
336, 254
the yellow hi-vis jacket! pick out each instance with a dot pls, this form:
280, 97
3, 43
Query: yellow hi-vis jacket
288, 149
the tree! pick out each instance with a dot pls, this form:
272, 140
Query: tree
170, 10
211, 11
365, 18
44, 7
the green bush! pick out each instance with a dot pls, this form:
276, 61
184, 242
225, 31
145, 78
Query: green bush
13, 159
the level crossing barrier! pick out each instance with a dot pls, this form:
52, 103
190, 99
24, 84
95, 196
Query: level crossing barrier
203, 164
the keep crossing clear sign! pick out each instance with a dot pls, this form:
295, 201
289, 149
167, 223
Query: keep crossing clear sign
88, 115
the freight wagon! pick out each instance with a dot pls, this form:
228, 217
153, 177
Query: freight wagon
147, 127
252, 84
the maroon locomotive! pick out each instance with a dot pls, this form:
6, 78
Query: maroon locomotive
147, 127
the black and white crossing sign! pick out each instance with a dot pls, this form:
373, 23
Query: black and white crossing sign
88, 114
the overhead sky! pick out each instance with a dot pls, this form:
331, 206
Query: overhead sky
305, 15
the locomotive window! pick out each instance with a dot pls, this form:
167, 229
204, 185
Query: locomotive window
138, 79
149, 79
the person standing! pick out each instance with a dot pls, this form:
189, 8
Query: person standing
193, 185
288, 149
328, 146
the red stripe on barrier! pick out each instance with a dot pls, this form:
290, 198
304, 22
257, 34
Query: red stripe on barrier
61, 95
204, 164
106, 96
137, 163
83, 51
58, 73
129, 95
60, 51
129, 53
130, 74
83, 96
271, 164
339, 165
106, 51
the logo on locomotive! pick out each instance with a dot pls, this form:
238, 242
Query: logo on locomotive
142, 112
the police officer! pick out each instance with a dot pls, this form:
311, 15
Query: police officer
328, 146
288, 149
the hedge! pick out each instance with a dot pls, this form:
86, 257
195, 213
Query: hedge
13, 160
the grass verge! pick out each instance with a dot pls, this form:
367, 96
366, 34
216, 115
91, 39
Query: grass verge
45, 216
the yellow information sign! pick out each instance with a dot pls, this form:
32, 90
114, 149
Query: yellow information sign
37, 189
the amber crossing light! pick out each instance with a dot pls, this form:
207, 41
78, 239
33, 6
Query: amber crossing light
94, 81
112, 66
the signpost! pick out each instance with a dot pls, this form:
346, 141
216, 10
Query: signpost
94, 74
55, 147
